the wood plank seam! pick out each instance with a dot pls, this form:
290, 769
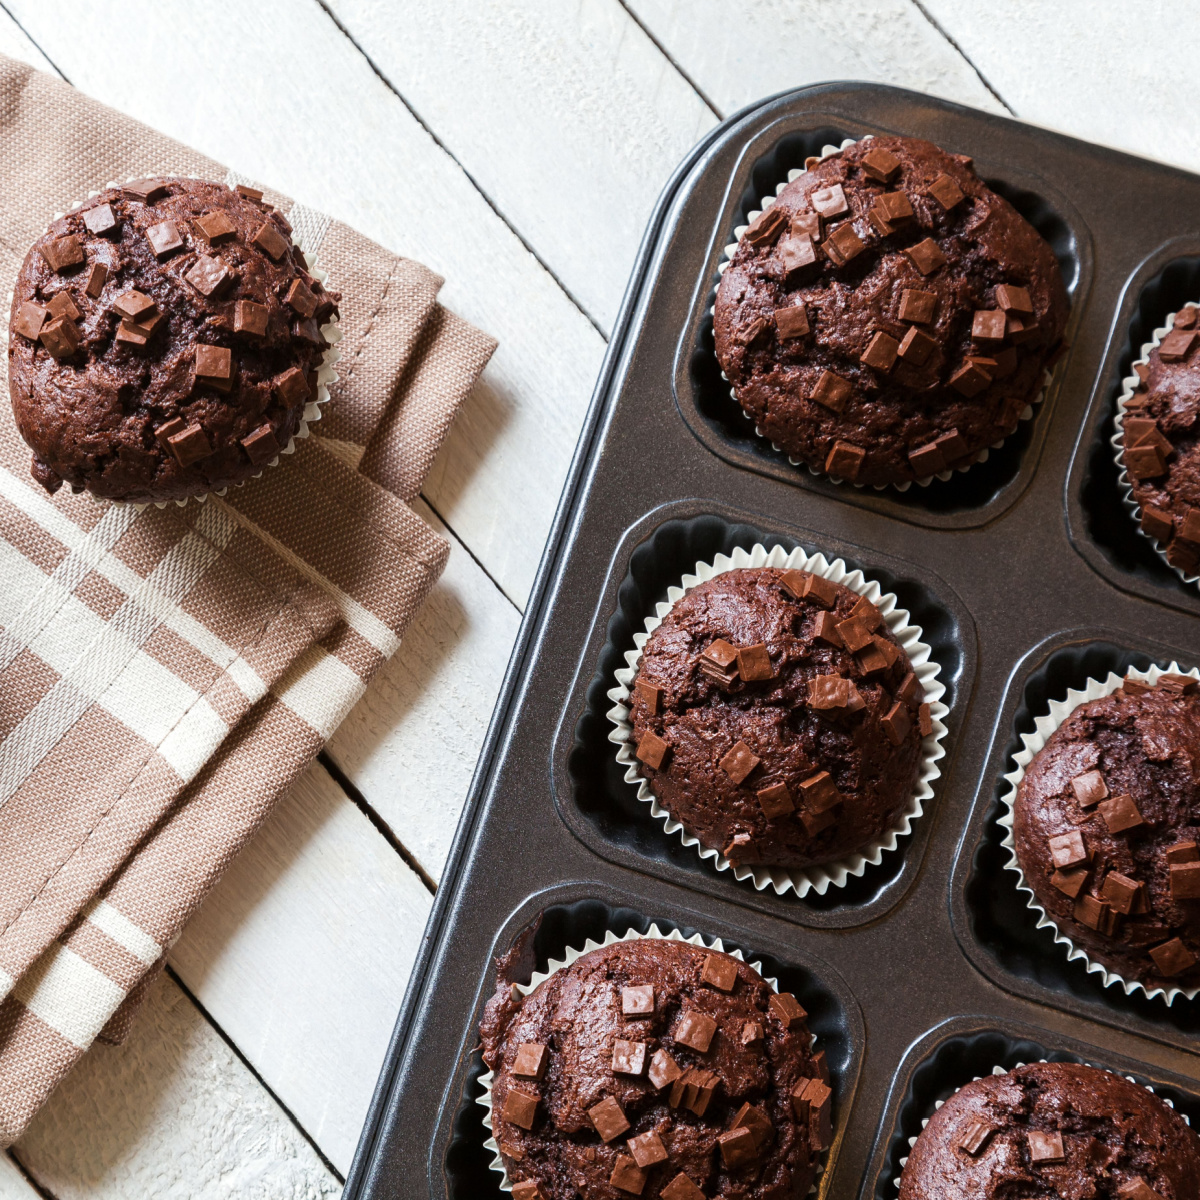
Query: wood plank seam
963, 54
716, 112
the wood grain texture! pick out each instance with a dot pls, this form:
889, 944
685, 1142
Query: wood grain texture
16, 44
302, 953
1088, 69
567, 116
14, 1185
173, 1112
289, 100
411, 743
738, 51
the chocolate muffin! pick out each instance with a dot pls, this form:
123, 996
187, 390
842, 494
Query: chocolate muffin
1053, 1129
777, 718
1107, 825
655, 1068
1160, 444
164, 340
889, 316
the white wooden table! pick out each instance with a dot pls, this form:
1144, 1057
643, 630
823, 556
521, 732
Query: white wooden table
516, 147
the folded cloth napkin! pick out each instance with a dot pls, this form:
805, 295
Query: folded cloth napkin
166, 674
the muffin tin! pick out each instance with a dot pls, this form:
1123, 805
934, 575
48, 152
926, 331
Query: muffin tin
1025, 572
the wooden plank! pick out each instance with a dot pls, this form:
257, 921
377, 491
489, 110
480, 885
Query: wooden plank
1075, 66
302, 953
173, 1112
411, 743
16, 44
567, 116
14, 1185
737, 51
291, 101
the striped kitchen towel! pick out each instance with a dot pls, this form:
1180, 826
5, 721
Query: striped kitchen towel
166, 674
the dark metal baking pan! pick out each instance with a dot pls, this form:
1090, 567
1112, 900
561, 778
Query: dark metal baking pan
1005, 569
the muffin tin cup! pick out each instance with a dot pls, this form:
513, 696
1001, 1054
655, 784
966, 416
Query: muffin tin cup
1060, 710
1002, 1070
1129, 385
570, 955
1027, 413
326, 375
818, 877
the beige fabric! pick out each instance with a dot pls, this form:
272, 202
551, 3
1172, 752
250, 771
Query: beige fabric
166, 674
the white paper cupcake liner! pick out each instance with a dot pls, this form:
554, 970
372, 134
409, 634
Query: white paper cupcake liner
556, 964
1129, 385
821, 876
326, 375
1027, 412
998, 1070
1044, 726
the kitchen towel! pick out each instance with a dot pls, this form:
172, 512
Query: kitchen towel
167, 673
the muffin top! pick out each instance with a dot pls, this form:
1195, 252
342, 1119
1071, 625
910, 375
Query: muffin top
164, 340
1107, 825
655, 1068
1159, 445
889, 316
777, 718
1053, 1129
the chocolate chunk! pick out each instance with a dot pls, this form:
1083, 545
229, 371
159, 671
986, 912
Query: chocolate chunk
879, 222
628, 1058
145, 190
1185, 881
169, 430
828, 691
1095, 914
916, 347
988, 327
1045, 1147
60, 337
752, 1118
775, 801
249, 193
819, 590
1181, 685
719, 971
653, 751
752, 1033
608, 1117
927, 460
133, 305
1182, 852
894, 207
637, 1000
925, 720
251, 318
738, 1148
1014, 299
1172, 958
647, 1150
531, 1061
754, 663
916, 305
63, 252
881, 352
946, 192
527, 1189
1137, 1189
681, 1188
832, 391
101, 220
796, 254
825, 628
721, 652
214, 366
1185, 318
976, 1136
190, 445
926, 256
970, 379
909, 688
208, 275
880, 165
1071, 882
1176, 346
520, 1108
301, 298
854, 634
829, 202
845, 460
695, 1030
664, 1070
806, 224
1183, 557
650, 695
815, 822
1068, 849
309, 331
1144, 462
739, 762
786, 1009
952, 446
878, 656
96, 278
1089, 788
897, 723
766, 227
1144, 431
699, 1088
262, 445
29, 320
843, 244
131, 334
1130, 684
818, 1096
1189, 527
1121, 813
292, 387
270, 241
216, 227
1121, 893
791, 322
164, 238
